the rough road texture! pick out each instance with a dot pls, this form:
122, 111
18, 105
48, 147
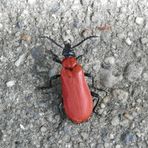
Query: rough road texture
31, 118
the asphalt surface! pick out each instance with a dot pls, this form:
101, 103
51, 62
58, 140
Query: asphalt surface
118, 58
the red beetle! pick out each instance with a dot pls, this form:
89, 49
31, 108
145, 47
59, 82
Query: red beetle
77, 98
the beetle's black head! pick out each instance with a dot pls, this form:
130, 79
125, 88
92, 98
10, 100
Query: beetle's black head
67, 51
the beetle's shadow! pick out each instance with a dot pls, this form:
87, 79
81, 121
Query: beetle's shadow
51, 96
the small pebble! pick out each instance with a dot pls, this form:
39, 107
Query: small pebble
145, 76
144, 40
132, 125
111, 136
105, 112
124, 123
31, 1
3, 59
118, 3
105, 27
115, 121
68, 38
22, 127
130, 34
107, 145
128, 137
82, 145
138, 109
66, 138
55, 7
128, 116
133, 71
118, 146
38, 53
139, 134
43, 129
25, 37
1, 26
123, 10
120, 95
11, 83
20, 60
84, 135
102, 105
109, 60
107, 79
138, 54
68, 145
101, 111
121, 35
138, 100
128, 41
86, 32
139, 20
106, 99
114, 47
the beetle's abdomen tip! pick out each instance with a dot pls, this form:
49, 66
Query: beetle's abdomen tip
80, 121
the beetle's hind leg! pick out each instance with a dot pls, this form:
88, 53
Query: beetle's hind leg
98, 99
62, 114
61, 110
55, 57
90, 76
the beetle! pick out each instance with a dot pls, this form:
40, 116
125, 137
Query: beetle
76, 96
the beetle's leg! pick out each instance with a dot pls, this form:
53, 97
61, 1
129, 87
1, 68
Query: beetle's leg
90, 76
95, 94
55, 57
62, 114
100, 89
93, 81
61, 110
50, 83
79, 57
98, 99
53, 78
57, 60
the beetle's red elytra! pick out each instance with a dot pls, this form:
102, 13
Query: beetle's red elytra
77, 99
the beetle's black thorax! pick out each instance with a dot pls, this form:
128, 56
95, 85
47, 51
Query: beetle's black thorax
67, 51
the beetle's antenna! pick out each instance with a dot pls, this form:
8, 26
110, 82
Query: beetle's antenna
83, 41
52, 40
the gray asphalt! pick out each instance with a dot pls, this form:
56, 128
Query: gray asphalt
118, 58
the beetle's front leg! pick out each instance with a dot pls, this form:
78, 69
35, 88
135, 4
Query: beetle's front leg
57, 60
55, 57
98, 99
90, 76
79, 57
50, 82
